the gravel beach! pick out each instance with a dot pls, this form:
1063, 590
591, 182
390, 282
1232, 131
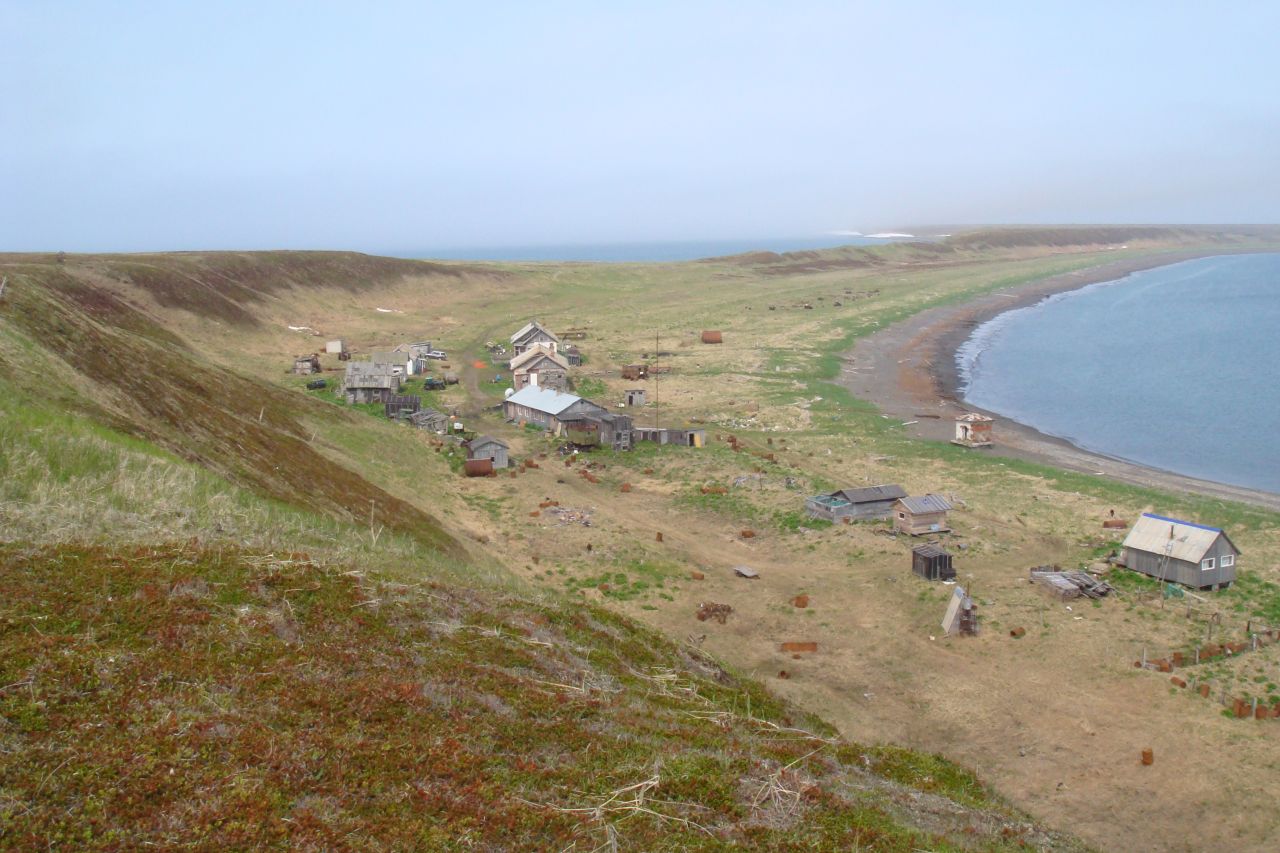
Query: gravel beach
909, 370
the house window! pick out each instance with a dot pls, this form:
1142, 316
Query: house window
1227, 561
902, 515
1208, 563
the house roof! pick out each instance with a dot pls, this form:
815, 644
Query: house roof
926, 503
534, 352
871, 494
543, 399
482, 440
1186, 540
973, 418
528, 329
930, 550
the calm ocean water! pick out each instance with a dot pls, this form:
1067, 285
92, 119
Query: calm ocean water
1174, 367
639, 252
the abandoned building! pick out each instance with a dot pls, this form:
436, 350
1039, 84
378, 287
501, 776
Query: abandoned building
369, 382
961, 617
430, 420
305, 365
403, 407
600, 429
973, 430
855, 504
918, 516
488, 447
572, 354
542, 366
1194, 555
532, 334
686, 437
932, 562
634, 397
591, 424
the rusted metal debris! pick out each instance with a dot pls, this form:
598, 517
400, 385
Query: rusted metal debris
710, 610
569, 515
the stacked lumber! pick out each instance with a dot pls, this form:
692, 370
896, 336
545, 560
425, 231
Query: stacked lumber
1070, 584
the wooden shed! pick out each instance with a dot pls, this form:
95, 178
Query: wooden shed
490, 448
932, 562
918, 516
1194, 555
712, 336
402, 406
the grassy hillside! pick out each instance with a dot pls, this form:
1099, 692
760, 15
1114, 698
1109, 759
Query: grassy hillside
211, 699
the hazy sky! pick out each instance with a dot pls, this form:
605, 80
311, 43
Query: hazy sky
157, 125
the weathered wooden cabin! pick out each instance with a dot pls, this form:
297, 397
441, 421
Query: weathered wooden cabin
598, 429
572, 354
854, 504
488, 447
1194, 555
932, 562
542, 366
973, 430
686, 437
532, 334
920, 515
369, 382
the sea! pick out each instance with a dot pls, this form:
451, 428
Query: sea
657, 251
1176, 367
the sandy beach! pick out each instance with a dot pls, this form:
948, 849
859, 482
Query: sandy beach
909, 370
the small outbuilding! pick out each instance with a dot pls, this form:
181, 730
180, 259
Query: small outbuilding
856, 503
335, 347
921, 515
490, 448
1194, 555
634, 397
932, 562
402, 407
370, 382
305, 365
973, 430
686, 437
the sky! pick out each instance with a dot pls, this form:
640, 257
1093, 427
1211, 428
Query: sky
147, 126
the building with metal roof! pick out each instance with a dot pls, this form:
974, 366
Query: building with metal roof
1194, 555
920, 515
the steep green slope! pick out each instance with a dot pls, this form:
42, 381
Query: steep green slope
214, 699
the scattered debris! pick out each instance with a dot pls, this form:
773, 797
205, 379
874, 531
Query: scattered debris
568, 515
1018, 633
1069, 584
803, 646
1148, 757
696, 575
800, 601
710, 610
746, 572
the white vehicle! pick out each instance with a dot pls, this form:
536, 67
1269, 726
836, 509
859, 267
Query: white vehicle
438, 354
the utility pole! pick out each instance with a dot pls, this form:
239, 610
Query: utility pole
655, 378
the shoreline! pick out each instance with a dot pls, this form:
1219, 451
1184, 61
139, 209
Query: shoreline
909, 371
